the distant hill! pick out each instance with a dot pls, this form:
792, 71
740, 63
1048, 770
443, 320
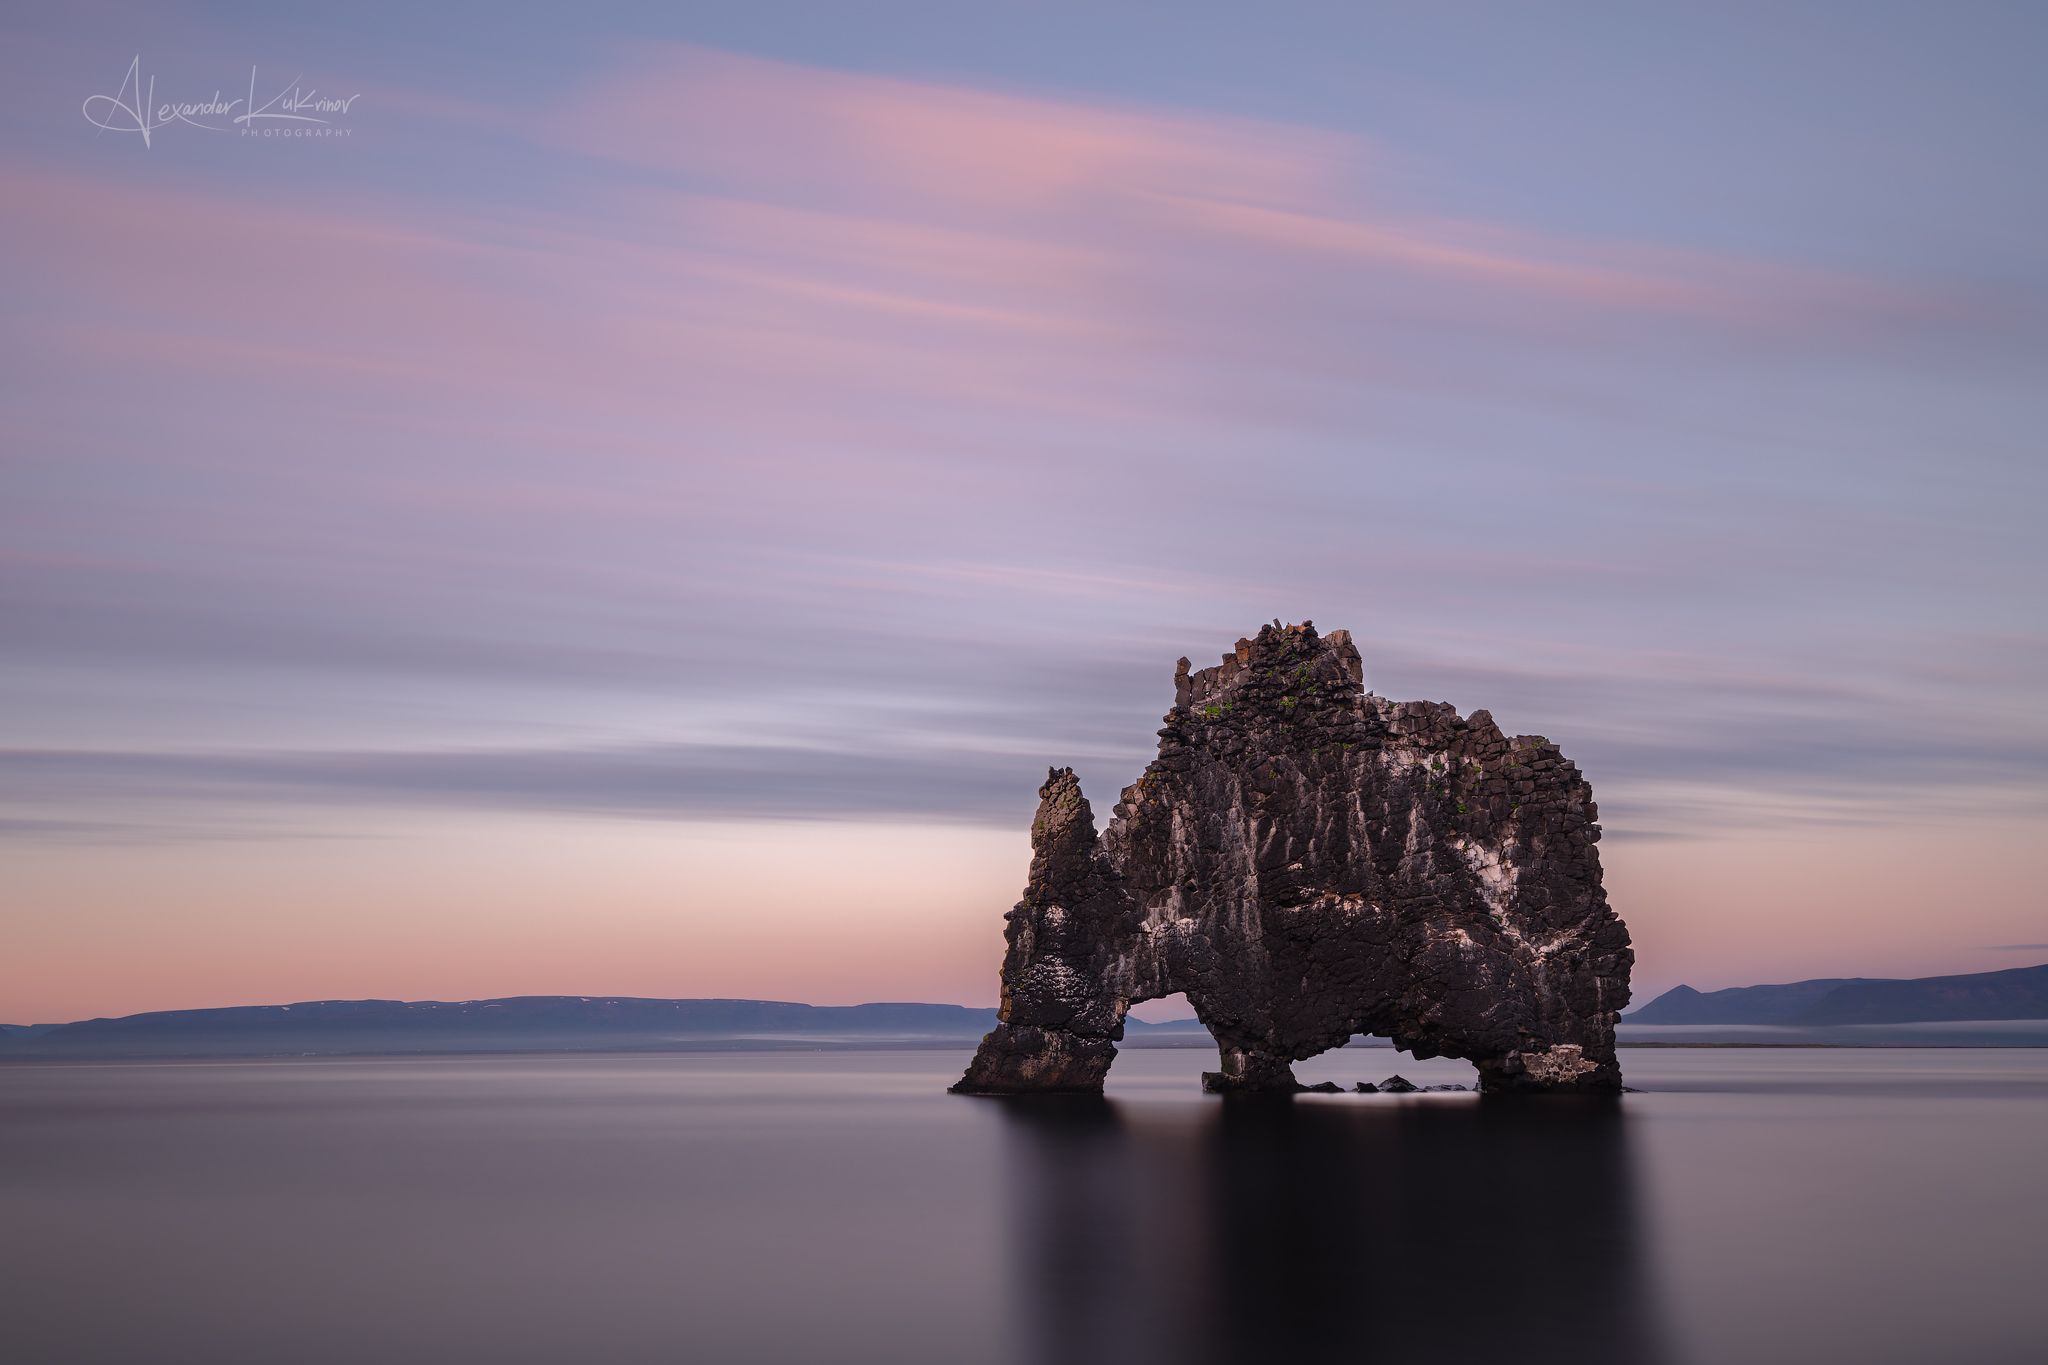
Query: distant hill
577, 1023
543, 1023
1736, 1005
2016, 993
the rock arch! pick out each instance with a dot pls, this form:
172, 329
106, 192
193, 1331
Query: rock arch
1308, 861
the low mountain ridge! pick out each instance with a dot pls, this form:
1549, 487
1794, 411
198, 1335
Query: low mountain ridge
516, 1023
569, 1023
2011, 993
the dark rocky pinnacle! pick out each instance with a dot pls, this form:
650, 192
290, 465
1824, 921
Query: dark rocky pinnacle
1309, 861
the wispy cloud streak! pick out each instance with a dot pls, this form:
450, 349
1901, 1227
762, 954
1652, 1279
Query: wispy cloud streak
918, 408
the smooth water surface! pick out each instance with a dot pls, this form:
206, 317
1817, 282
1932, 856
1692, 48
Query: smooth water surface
1747, 1206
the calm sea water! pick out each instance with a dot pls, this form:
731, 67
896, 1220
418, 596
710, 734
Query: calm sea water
1748, 1206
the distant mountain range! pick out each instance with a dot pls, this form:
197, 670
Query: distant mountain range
2016, 993
578, 1023
549, 1023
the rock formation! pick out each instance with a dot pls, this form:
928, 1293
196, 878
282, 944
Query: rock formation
1308, 861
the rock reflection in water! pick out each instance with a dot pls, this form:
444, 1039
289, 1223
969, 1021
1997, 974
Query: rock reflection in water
1262, 1229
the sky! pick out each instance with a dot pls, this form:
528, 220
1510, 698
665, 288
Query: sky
634, 502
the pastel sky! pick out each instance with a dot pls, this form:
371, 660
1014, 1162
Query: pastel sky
640, 512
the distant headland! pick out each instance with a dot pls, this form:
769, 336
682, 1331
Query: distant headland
2014, 993
2002, 1008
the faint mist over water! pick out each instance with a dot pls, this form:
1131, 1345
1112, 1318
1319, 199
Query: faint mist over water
1747, 1206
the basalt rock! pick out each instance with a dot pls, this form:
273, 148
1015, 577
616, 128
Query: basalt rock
1308, 861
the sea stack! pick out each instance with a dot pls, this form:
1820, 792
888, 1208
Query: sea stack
1308, 861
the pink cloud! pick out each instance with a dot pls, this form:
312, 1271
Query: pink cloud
800, 259
1111, 185
752, 121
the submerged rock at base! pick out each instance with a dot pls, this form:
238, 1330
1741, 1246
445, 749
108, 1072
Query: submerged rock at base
1223, 1083
1308, 861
